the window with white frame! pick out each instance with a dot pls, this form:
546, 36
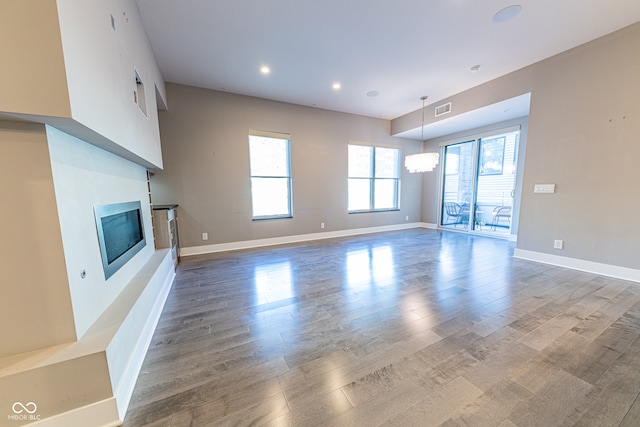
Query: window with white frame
374, 178
270, 165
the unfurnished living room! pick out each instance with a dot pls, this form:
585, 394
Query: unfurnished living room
355, 213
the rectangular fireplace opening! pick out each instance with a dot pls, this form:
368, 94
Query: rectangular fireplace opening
120, 234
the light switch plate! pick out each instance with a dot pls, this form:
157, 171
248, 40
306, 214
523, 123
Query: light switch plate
544, 188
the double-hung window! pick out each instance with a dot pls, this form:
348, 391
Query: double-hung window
374, 178
270, 165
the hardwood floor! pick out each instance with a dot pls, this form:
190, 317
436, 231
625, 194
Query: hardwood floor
411, 328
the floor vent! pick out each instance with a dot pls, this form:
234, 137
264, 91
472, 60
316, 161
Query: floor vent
443, 109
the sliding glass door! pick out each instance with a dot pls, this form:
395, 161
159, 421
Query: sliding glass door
478, 182
458, 185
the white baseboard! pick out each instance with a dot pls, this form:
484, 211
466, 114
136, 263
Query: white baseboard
429, 225
249, 244
582, 265
98, 414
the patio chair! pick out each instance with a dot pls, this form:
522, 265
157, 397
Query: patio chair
501, 212
456, 214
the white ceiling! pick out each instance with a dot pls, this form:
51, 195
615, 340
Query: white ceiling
404, 48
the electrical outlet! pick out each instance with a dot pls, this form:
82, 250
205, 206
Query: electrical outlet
558, 244
205, 236
406, 218
322, 225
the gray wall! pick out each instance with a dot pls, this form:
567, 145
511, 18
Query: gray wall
37, 308
584, 126
206, 166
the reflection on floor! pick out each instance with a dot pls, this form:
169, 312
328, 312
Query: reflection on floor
411, 328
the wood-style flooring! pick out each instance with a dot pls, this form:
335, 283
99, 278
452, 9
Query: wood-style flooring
409, 328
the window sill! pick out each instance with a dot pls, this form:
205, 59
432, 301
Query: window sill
267, 218
374, 211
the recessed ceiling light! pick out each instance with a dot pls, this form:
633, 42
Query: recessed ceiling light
506, 14
336, 86
265, 70
373, 93
474, 69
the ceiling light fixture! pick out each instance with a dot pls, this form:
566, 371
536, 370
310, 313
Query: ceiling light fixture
373, 93
336, 86
421, 162
474, 69
265, 70
504, 15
